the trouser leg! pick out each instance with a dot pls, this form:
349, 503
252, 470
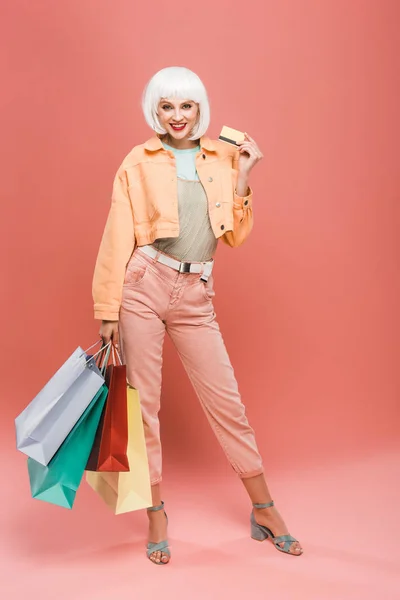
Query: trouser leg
196, 335
141, 336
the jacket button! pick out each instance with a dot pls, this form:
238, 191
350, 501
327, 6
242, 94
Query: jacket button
210, 179
246, 202
218, 204
222, 226
204, 155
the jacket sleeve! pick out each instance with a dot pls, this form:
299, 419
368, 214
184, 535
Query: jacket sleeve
116, 248
242, 211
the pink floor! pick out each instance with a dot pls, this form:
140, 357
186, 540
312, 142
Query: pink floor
346, 516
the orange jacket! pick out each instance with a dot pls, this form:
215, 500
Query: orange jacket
144, 207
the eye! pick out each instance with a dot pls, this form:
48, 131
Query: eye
168, 106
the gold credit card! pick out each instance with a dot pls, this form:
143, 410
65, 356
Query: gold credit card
231, 136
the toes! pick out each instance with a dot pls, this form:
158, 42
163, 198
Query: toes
158, 557
295, 548
154, 557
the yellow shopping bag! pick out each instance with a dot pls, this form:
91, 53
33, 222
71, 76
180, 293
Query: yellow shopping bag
127, 491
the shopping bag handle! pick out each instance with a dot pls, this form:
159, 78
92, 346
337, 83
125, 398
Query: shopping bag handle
99, 351
112, 347
115, 350
111, 351
104, 357
101, 363
93, 345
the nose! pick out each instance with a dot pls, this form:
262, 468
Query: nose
177, 116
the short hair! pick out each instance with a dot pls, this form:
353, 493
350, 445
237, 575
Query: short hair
178, 82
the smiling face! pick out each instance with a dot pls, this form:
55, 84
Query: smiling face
178, 116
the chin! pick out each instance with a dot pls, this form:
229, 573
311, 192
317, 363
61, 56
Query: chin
178, 134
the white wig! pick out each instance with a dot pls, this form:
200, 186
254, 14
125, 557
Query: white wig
176, 82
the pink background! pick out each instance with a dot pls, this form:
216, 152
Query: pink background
308, 306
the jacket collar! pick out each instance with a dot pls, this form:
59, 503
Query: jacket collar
154, 144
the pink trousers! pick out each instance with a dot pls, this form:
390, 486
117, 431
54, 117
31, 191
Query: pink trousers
156, 299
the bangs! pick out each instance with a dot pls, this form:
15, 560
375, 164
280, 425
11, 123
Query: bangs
184, 90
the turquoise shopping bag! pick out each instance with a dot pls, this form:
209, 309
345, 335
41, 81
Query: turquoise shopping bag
58, 482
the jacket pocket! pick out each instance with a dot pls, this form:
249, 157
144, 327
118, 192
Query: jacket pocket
144, 208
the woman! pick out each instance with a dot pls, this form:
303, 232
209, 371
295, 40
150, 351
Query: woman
173, 198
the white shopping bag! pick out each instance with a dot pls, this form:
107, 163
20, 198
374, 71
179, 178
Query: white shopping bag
44, 424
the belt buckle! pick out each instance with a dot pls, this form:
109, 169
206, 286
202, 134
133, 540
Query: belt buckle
184, 267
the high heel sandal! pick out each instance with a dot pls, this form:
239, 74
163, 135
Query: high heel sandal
261, 533
158, 546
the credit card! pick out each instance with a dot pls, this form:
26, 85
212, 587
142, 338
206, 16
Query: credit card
231, 136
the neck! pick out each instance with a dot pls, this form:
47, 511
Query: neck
183, 144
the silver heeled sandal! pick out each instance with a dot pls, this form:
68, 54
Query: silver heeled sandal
158, 546
261, 533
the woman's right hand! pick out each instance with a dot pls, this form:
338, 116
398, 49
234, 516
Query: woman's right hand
109, 331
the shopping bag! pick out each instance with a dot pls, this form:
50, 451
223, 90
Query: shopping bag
58, 482
44, 424
109, 452
126, 492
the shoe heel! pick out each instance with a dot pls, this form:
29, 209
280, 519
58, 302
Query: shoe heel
257, 533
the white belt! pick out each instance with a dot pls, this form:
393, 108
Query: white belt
204, 268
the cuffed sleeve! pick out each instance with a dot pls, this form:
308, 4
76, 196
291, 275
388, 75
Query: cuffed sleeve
242, 212
115, 250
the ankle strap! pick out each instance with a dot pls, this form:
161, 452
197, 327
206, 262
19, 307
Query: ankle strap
154, 508
266, 505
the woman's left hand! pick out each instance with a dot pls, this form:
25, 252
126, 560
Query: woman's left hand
250, 154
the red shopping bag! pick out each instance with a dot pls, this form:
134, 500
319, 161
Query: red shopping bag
109, 451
